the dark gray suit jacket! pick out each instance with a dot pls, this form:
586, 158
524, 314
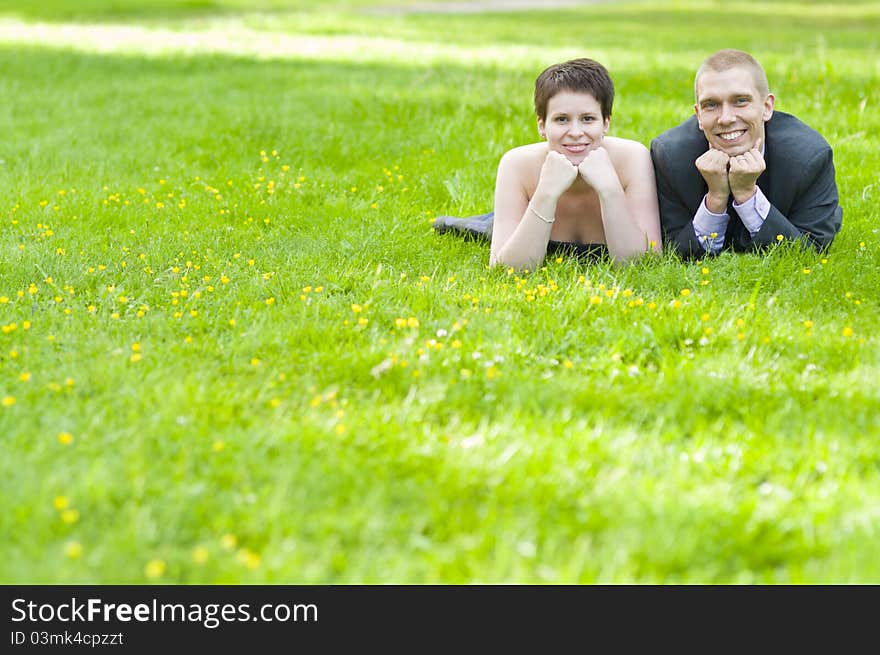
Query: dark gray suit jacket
798, 181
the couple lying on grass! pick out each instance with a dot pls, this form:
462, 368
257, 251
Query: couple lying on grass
727, 178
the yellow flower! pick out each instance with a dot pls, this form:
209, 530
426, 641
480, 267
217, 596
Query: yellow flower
65, 438
24, 377
808, 324
847, 332
228, 541
200, 554
685, 292
596, 300
73, 549
70, 516
8, 401
155, 568
249, 558
60, 502
218, 446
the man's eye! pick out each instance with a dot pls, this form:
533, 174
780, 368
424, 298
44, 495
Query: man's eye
709, 105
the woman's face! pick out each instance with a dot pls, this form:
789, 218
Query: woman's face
574, 124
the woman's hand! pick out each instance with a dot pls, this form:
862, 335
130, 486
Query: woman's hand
557, 175
598, 171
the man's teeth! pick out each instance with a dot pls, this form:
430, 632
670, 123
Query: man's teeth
730, 136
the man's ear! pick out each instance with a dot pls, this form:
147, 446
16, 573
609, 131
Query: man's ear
697, 114
769, 102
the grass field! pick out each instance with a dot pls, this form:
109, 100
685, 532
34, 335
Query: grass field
233, 351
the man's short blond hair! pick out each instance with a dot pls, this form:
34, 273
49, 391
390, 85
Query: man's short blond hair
724, 60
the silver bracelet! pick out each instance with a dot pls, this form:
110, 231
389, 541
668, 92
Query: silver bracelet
539, 216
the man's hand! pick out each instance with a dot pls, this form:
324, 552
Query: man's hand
744, 172
713, 165
557, 175
598, 171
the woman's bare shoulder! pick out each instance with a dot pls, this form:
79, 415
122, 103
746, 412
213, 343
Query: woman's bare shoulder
625, 148
525, 156
630, 158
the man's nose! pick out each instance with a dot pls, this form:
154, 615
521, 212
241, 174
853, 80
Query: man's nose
727, 115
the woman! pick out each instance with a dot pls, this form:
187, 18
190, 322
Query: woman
578, 190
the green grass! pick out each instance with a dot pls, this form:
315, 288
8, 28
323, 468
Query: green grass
309, 386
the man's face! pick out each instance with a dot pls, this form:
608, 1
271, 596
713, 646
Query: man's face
731, 111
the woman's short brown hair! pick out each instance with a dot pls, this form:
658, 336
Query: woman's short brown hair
578, 75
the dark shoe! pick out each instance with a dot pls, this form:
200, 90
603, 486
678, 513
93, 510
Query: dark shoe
476, 227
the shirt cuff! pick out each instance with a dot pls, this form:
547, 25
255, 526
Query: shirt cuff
710, 228
754, 211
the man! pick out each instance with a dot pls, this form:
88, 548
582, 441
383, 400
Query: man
738, 175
